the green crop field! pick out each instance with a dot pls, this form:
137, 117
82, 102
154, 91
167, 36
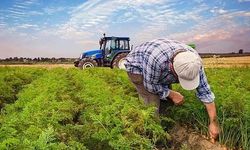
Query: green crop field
99, 108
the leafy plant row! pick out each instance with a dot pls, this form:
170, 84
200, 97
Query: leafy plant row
12, 80
114, 117
100, 109
73, 109
39, 117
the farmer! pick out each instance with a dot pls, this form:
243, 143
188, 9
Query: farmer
153, 66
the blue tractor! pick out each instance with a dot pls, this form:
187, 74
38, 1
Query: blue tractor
112, 53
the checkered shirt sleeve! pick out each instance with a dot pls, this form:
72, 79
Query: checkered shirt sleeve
204, 92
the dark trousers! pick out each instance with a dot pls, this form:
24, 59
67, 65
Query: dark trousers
148, 97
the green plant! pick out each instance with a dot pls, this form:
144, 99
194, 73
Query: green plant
100, 109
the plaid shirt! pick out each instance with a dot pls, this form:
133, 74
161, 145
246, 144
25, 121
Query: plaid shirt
153, 60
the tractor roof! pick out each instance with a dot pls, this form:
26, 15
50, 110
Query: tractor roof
121, 38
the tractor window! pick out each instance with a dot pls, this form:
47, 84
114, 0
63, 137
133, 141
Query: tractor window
117, 44
110, 45
107, 47
124, 44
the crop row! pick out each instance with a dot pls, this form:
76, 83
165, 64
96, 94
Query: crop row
100, 109
72, 109
12, 80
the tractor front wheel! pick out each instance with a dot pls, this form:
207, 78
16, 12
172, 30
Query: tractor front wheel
119, 61
87, 63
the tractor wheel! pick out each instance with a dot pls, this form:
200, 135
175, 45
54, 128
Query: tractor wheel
87, 63
119, 61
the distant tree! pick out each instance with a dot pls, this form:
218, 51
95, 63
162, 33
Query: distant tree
62, 59
53, 59
241, 51
25, 60
46, 59
7, 59
15, 58
29, 59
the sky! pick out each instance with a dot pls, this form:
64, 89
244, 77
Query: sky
66, 28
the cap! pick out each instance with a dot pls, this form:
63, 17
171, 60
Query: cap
187, 66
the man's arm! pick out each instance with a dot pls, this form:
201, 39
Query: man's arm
211, 110
213, 126
205, 94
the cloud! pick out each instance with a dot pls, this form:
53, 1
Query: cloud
222, 24
148, 20
217, 10
2, 25
20, 6
99, 16
237, 39
214, 35
12, 45
220, 33
25, 26
53, 10
243, 0
199, 1
14, 12
145, 2
166, 21
205, 24
35, 13
20, 10
91, 17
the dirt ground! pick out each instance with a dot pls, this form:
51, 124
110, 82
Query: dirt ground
215, 62
185, 139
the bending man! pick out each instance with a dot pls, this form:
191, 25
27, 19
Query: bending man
153, 66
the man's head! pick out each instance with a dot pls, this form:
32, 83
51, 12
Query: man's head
187, 66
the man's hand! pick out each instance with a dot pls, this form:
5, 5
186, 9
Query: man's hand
213, 131
213, 126
176, 97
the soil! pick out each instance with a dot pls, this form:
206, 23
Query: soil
186, 139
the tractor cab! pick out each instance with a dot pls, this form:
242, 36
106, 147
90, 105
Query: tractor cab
111, 46
112, 53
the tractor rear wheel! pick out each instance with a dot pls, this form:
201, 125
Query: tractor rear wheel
119, 61
87, 63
